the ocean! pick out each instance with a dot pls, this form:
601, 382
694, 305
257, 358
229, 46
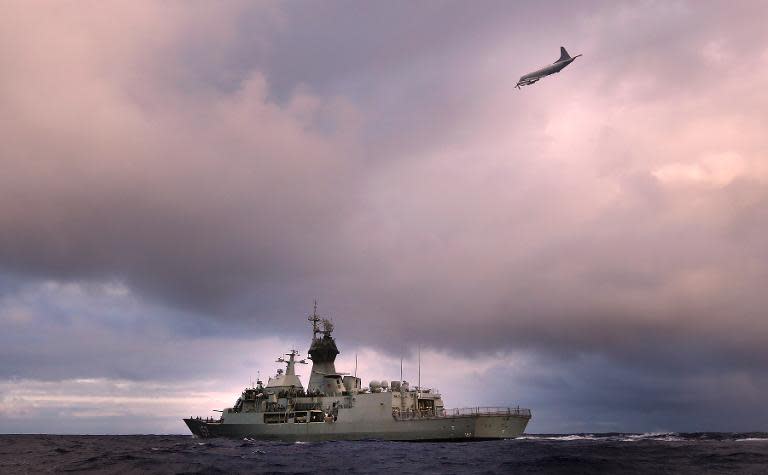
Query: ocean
656, 453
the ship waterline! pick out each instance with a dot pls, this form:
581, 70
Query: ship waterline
335, 407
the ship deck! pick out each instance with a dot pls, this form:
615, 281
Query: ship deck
465, 412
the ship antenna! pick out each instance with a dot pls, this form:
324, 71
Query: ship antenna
419, 381
401, 369
355, 364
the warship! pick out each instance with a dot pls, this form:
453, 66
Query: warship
335, 406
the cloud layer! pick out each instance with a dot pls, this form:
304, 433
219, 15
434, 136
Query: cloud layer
177, 175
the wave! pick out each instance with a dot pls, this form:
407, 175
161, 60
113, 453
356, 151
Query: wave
566, 438
609, 437
661, 436
649, 452
652, 437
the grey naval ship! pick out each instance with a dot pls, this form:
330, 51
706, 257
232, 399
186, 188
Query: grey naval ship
335, 407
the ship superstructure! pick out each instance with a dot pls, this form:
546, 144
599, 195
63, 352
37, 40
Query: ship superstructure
335, 406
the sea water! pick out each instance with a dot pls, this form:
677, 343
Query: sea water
574, 453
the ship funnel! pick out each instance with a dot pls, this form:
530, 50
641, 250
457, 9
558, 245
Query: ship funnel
323, 353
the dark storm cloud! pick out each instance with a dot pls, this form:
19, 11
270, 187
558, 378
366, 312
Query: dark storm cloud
190, 195
590, 393
63, 332
226, 165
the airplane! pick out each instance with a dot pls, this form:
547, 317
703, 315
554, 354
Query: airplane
530, 78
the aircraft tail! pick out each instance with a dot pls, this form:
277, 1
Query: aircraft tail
563, 55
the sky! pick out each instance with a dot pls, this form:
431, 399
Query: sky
180, 180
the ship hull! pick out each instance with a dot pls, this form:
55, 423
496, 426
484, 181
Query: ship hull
460, 428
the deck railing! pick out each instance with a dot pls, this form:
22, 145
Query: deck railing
462, 412
487, 411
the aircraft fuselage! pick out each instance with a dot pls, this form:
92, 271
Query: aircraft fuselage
556, 67
546, 71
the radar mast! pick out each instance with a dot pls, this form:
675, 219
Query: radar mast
315, 319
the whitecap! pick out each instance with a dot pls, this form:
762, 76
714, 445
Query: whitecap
565, 438
662, 436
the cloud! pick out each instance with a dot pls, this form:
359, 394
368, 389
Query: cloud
184, 191
193, 176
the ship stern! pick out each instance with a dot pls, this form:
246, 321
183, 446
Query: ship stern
499, 427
